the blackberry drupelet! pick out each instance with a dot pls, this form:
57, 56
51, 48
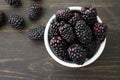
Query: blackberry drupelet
89, 14
59, 46
100, 32
35, 11
15, 3
67, 33
63, 14
77, 53
90, 48
83, 32
2, 18
36, 33
16, 21
74, 19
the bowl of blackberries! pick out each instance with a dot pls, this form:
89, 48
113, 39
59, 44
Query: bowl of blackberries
75, 36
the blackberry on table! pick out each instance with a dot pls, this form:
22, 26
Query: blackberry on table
83, 32
100, 32
35, 11
59, 46
36, 33
74, 19
16, 21
89, 14
67, 33
2, 18
15, 3
77, 53
63, 14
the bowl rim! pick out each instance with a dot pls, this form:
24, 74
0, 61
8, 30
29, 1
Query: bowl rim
72, 65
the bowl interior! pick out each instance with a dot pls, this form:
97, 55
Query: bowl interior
68, 64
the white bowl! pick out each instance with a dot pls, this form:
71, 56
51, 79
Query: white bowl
67, 64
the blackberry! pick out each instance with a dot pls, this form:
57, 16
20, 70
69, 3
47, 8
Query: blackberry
35, 11
77, 53
16, 21
66, 32
90, 48
2, 18
15, 3
83, 32
100, 32
63, 14
36, 33
54, 27
59, 46
74, 19
89, 14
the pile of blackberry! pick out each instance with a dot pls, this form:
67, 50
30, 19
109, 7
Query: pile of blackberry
18, 22
75, 35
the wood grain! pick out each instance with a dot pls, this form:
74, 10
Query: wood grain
24, 59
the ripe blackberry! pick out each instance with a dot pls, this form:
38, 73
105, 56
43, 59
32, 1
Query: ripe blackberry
89, 14
74, 19
2, 18
90, 48
59, 47
36, 33
15, 3
83, 32
66, 32
100, 32
16, 21
35, 11
54, 27
77, 53
63, 14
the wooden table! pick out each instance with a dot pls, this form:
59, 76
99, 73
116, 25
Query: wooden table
24, 59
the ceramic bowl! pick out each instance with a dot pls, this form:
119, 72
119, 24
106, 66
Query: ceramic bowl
68, 64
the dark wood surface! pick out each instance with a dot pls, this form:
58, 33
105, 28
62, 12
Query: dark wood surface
24, 59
